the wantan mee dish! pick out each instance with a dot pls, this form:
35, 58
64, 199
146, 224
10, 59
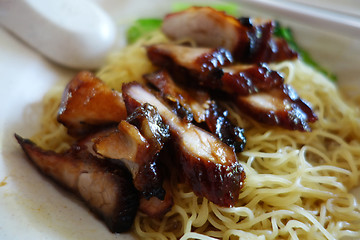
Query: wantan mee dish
210, 127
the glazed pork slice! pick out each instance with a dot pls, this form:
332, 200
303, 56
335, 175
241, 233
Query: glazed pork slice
208, 165
207, 27
87, 104
150, 124
124, 144
244, 79
189, 65
137, 143
219, 124
197, 58
280, 106
195, 101
249, 40
155, 207
105, 187
201, 106
263, 46
128, 146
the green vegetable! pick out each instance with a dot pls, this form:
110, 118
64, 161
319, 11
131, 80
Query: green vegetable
286, 33
229, 8
142, 27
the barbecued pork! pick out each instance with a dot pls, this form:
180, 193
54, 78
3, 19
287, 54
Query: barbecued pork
219, 124
150, 124
88, 103
193, 66
209, 166
195, 101
127, 145
243, 84
206, 26
235, 78
105, 187
263, 46
155, 207
243, 80
279, 106
202, 107
249, 40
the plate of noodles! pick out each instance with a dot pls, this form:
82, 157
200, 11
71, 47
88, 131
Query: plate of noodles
299, 185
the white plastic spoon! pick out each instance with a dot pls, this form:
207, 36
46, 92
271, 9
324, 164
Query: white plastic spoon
73, 33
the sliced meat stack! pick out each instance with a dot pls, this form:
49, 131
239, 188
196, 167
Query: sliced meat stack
258, 91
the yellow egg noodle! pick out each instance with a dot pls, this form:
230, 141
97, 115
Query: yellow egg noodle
298, 184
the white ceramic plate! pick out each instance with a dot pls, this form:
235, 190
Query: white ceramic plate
31, 207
